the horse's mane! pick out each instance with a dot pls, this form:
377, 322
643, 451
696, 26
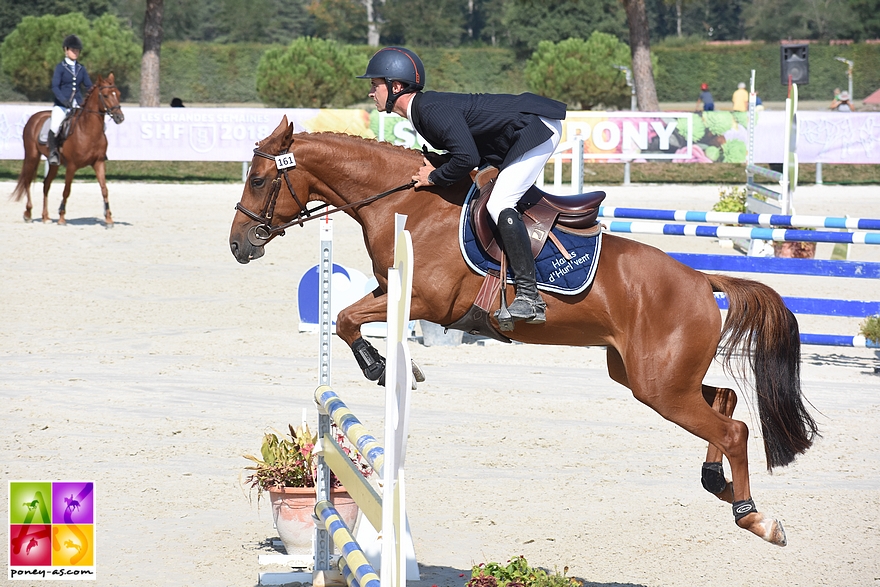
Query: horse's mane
401, 149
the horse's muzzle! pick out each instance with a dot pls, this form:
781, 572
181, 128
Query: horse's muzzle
244, 254
259, 235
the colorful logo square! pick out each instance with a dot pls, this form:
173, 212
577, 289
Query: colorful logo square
51, 530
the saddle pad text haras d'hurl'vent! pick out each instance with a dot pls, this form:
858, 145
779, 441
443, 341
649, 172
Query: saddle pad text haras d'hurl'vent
553, 271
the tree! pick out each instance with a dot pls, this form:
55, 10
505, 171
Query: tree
581, 73
640, 46
311, 73
13, 11
340, 20
30, 52
774, 20
530, 21
427, 23
152, 49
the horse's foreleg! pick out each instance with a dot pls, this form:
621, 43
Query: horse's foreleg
723, 401
370, 308
68, 180
53, 171
100, 173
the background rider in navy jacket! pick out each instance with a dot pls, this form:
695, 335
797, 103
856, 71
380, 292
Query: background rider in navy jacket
68, 82
516, 134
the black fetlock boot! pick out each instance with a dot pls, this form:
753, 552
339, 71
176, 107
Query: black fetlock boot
52, 143
528, 304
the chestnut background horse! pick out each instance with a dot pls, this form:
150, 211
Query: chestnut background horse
657, 318
86, 144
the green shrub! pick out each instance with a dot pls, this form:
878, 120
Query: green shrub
870, 328
731, 199
518, 573
311, 73
30, 52
581, 72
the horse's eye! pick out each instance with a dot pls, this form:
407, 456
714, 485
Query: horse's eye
258, 182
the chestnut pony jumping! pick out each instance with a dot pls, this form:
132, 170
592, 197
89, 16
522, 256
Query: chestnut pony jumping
86, 144
657, 318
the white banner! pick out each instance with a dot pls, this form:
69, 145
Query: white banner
189, 134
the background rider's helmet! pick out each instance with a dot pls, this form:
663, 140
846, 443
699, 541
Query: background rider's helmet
396, 64
72, 42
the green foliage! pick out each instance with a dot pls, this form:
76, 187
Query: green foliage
518, 573
311, 73
472, 70
29, 54
684, 68
13, 11
870, 328
581, 73
529, 22
340, 20
428, 23
284, 462
210, 72
731, 199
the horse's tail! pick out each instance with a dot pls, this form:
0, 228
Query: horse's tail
29, 164
765, 332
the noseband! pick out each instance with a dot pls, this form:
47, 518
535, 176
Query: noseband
264, 231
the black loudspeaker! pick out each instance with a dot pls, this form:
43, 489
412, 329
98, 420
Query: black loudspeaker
794, 61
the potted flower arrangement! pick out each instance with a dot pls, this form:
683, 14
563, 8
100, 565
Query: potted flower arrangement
286, 469
870, 329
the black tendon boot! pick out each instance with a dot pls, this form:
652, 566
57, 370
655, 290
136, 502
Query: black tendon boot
52, 143
528, 304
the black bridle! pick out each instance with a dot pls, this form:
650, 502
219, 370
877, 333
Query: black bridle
115, 112
264, 231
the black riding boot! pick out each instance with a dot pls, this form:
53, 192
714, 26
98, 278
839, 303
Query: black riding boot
52, 143
528, 304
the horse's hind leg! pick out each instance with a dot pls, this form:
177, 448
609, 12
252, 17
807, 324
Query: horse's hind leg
674, 390
47, 183
100, 173
723, 401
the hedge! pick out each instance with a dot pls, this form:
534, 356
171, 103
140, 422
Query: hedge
213, 73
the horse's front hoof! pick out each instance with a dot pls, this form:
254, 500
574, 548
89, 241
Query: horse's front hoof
108, 220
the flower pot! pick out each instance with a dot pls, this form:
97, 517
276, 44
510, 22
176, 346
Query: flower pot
795, 250
293, 509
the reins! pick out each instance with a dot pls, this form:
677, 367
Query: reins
258, 235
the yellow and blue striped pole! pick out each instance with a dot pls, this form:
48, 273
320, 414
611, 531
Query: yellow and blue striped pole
366, 443
354, 557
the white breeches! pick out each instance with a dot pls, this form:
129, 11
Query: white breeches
58, 114
520, 175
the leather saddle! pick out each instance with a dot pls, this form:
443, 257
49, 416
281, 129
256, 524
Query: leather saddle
62, 132
541, 211
576, 214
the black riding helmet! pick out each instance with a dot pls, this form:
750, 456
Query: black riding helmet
396, 64
72, 42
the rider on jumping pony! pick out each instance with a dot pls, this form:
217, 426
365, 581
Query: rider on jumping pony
516, 134
68, 81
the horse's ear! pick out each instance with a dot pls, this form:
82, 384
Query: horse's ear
111, 79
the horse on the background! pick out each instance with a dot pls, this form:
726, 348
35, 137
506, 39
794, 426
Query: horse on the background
85, 144
657, 318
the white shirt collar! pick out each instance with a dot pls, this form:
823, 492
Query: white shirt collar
409, 111
69, 61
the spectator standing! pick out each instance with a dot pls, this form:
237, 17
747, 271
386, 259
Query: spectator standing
706, 99
740, 98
